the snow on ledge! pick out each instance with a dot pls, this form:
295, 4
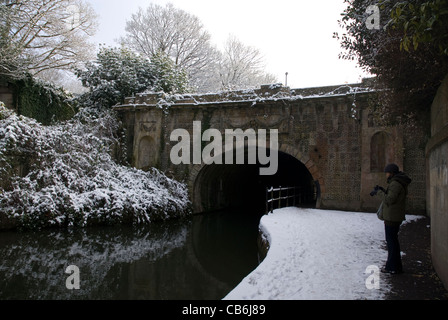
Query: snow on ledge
317, 255
266, 93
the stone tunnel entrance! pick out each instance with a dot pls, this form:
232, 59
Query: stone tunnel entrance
220, 187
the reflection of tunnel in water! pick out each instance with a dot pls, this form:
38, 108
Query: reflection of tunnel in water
242, 186
225, 244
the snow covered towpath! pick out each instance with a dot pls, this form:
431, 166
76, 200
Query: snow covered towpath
318, 255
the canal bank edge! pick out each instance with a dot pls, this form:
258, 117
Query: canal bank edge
263, 245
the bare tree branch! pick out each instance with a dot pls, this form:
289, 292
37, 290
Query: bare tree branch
39, 35
172, 31
242, 66
182, 37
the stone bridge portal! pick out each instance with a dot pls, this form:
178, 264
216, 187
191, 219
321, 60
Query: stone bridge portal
328, 143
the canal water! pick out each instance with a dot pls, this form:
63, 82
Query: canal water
200, 257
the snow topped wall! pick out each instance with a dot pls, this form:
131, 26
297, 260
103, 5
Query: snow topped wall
265, 92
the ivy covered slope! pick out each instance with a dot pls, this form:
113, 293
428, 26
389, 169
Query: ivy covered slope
63, 175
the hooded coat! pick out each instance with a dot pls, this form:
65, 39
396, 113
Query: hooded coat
394, 199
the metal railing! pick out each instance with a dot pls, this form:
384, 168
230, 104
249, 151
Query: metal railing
282, 197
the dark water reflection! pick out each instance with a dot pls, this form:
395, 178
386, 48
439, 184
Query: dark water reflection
202, 257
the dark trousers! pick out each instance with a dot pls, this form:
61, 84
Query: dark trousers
393, 249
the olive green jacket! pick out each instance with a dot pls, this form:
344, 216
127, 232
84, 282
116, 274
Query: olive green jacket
394, 199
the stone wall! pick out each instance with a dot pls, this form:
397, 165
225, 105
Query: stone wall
7, 95
329, 130
437, 167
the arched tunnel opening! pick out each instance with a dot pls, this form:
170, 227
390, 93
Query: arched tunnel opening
225, 242
228, 186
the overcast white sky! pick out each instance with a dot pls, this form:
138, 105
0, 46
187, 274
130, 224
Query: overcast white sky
295, 36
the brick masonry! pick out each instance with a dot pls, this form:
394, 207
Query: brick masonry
328, 129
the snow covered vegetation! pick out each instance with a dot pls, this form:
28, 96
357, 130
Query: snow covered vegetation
64, 175
118, 73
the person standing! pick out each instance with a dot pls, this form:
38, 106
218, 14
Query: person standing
394, 210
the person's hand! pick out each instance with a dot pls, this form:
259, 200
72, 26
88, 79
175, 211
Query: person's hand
375, 190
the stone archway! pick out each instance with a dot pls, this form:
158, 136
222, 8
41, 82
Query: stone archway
214, 187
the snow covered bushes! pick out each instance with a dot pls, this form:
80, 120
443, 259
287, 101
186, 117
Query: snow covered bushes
63, 175
118, 73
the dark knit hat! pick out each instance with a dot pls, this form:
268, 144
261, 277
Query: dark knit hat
392, 168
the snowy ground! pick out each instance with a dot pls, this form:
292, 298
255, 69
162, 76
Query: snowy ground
318, 255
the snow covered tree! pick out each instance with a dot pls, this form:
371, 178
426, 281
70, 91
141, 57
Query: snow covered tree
168, 77
241, 66
119, 73
116, 74
39, 35
172, 31
406, 51
182, 37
